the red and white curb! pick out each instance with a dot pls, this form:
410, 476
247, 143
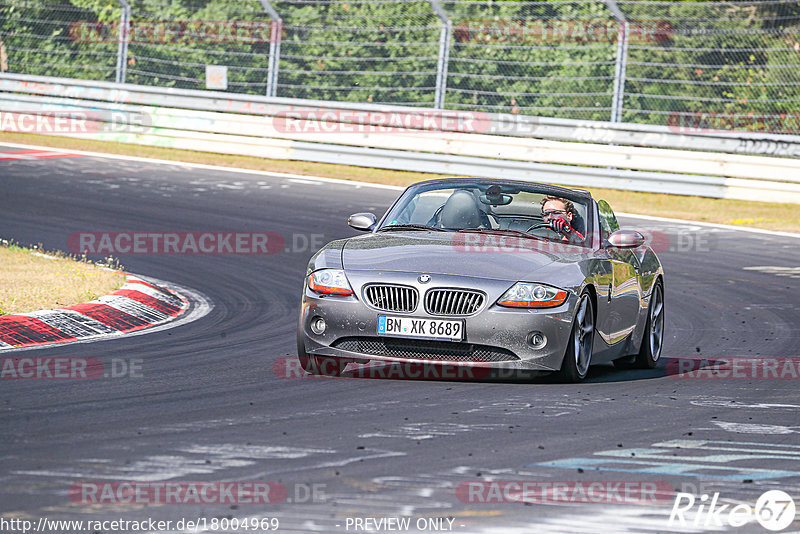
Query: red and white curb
138, 305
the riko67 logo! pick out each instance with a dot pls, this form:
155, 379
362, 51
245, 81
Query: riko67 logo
774, 510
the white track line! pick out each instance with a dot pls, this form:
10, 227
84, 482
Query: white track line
710, 225
301, 177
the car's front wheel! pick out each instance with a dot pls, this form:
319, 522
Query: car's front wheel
578, 356
653, 330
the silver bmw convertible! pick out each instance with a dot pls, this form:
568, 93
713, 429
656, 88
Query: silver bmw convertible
490, 274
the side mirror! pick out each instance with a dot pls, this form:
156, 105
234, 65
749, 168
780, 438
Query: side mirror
362, 221
626, 239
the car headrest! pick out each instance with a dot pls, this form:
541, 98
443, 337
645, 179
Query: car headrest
461, 211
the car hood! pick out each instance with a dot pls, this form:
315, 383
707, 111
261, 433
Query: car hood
442, 253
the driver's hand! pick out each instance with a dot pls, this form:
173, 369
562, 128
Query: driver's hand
561, 226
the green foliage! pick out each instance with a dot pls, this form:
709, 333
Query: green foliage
39, 38
551, 58
104, 10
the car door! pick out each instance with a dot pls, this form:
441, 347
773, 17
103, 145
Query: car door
623, 293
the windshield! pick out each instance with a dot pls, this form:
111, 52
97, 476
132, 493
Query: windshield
476, 206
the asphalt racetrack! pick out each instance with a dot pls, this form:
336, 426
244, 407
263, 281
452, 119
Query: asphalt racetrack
218, 400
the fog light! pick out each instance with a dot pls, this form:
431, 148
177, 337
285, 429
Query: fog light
537, 340
318, 325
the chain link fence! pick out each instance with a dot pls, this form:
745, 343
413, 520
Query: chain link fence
171, 43
379, 51
706, 64
539, 58
731, 64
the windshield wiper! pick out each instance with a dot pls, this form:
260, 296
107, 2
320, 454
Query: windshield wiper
411, 227
500, 231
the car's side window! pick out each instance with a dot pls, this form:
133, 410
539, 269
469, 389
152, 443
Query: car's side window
608, 221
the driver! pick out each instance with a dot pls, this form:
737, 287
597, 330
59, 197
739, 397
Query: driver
558, 213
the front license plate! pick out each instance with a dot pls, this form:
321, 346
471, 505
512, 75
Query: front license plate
421, 328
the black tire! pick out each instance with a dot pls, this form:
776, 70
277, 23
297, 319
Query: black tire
653, 339
578, 356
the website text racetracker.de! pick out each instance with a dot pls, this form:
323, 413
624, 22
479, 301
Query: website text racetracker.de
68, 367
63, 526
205, 242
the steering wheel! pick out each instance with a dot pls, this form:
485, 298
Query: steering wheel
539, 225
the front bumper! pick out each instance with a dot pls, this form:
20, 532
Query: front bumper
507, 329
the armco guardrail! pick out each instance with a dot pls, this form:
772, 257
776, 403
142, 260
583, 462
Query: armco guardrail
632, 157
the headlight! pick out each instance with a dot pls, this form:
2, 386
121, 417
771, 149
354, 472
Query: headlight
329, 282
526, 295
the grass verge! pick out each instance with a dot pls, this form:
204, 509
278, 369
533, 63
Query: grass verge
36, 281
765, 215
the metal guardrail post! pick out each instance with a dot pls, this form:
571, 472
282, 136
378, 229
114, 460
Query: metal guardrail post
618, 100
444, 54
124, 37
274, 47
619, 72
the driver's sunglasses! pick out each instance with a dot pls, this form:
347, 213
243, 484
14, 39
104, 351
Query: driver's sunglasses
553, 212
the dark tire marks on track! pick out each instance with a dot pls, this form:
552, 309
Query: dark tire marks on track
210, 408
